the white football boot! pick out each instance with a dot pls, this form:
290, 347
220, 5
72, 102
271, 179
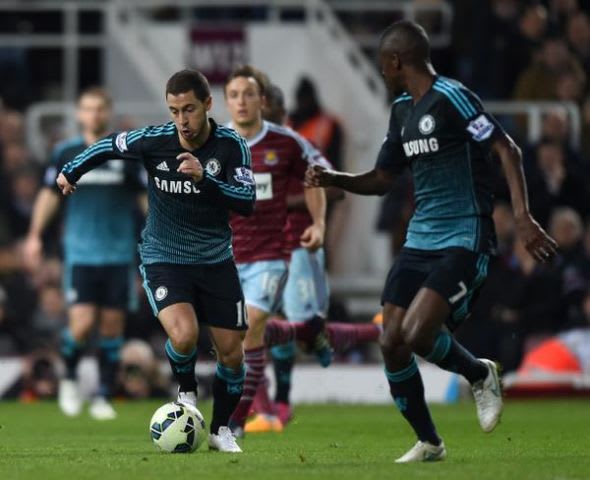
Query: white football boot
424, 452
101, 409
488, 397
188, 399
224, 441
69, 398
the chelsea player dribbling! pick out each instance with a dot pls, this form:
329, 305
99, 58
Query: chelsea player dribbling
198, 172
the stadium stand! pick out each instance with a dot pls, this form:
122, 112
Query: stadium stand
530, 62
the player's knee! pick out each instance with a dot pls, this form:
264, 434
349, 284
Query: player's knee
183, 336
415, 337
111, 328
232, 359
80, 330
389, 341
256, 327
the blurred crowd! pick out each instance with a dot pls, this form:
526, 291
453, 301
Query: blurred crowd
536, 51
502, 49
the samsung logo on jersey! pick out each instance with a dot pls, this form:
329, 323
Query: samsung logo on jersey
176, 186
418, 147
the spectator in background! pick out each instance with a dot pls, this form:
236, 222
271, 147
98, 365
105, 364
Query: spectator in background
494, 64
25, 184
570, 86
578, 36
586, 129
11, 127
39, 377
13, 333
566, 227
539, 80
505, 229
561, 10
50, 317
139, 375
555, 126
320, 128
552, 183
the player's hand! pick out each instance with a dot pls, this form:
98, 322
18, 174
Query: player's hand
190, 165
318, 176
313, 237
537, 242
32, 252
66, 187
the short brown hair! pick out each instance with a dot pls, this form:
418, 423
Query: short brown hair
97, 91
248, 71
187, 80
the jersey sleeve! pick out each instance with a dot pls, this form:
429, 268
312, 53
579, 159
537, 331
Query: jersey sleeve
312, 154
120, 146
237, 188
391, 157
479, 126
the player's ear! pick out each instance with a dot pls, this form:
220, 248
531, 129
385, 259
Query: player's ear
208, 103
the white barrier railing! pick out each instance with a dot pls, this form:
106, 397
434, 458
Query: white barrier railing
534, 112
156, 113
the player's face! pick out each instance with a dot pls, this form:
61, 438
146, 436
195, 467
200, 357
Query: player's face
188, 113
391, 71
244, 101
94, 114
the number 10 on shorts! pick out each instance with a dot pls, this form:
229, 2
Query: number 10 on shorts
242, 314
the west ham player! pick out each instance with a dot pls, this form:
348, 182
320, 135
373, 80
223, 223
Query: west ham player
99, 253
259, 243
439, 129
198, 173
305, 296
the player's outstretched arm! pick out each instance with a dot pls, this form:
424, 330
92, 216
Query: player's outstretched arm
122, 146
313, 236
373, 182
537, 242
45, 207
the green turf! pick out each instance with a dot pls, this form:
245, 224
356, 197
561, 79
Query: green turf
537, 441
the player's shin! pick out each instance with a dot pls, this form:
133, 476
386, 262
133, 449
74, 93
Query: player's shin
283, 358
278, 332
255, 361
70, 350
450, 355
108, 359
407, 390
228, 386
344, 336
183, 367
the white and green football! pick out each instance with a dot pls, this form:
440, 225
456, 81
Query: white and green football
177, 428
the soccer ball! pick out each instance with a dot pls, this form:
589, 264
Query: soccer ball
177, 428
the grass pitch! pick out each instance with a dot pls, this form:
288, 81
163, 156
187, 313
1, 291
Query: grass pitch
537, 440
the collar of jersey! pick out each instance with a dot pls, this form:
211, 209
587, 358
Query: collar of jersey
256, 138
